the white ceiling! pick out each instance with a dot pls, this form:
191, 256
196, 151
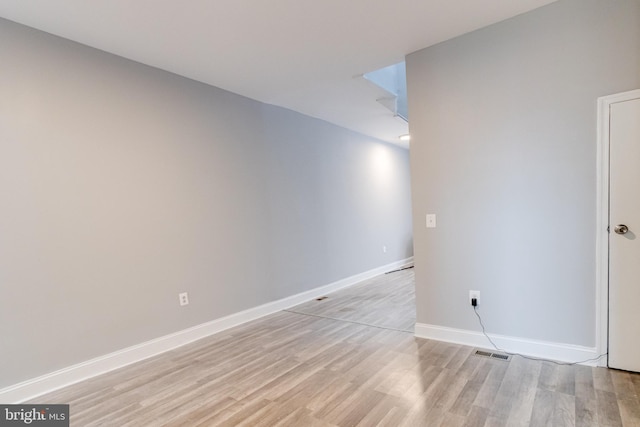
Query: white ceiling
298, 54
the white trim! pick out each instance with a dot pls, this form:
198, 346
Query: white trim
534, 348
55, 380
602, 218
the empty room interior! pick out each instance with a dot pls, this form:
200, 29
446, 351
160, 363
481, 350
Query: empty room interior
296, 213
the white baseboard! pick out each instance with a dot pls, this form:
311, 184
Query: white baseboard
47, 383
543, 349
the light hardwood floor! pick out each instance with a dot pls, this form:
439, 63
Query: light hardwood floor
388, 301
328, 367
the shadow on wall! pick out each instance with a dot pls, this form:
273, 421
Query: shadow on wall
409, 251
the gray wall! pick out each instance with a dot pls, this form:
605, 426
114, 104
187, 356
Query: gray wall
503, 124
122, 185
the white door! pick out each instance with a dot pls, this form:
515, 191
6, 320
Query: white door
624, 236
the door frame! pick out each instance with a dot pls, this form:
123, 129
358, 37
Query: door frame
602, 220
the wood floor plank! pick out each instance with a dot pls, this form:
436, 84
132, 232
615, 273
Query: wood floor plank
608, 410
492, 385
635, 379
548, 376
586, 412
424, 381
389, 411
542, 406
472, 365
522, 405
622, 384
393, 418
629, 411
464, 402
477, 417
301, 417
602, 380
564, 410
352, 412
508, 388
235, 414
566, 380
455, 384
453, 420
584, 383
206, 410
422, 414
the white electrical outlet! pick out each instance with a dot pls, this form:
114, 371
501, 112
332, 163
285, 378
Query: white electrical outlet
384, 249
431, 221
184, 298
476, 295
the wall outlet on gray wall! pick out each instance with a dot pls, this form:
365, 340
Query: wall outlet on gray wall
184, 298
476, 295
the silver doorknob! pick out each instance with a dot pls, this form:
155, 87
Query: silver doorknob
621, 229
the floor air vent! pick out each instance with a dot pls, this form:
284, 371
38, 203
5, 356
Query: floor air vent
499, 356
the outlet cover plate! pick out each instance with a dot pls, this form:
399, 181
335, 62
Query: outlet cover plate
476, 295
183, 298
